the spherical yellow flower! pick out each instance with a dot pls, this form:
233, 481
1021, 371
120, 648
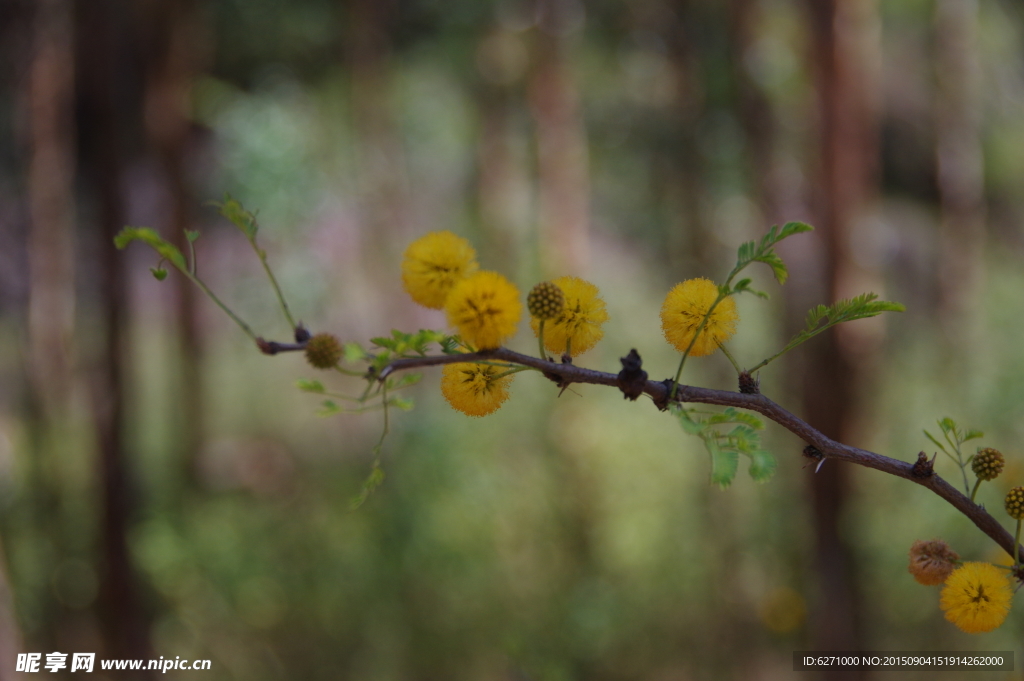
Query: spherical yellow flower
579, 323
931, 562
474, 389
485, 308
683, 311
434, 264
977, 597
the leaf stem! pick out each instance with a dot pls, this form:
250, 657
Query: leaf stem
199, 282
273, 282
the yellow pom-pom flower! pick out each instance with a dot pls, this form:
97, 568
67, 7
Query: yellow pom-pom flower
475, 389
578, 325
977, 597
683, 311
485, 309
434, 264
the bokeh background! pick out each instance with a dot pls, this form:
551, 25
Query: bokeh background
165, 490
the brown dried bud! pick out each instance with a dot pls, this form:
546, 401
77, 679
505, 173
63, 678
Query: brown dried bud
545, 301
923, 467
1015, 503
988, 463
931, 562
749, 385
323, 351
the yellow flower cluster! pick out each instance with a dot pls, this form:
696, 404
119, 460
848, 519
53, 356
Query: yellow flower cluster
440, 271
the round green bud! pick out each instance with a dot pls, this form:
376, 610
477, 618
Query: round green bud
323, 351
988, 463
1015, 503
545, 301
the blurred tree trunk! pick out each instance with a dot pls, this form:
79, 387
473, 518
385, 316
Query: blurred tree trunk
380, 163
51, 292
51, 172
755, 111
10, 634
175, 48
959, 158
563, 176
103, 24
835, 371
501, 178
688, 239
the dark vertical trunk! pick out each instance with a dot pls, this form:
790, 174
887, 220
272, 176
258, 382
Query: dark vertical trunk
833, 375
51, 206
10, 633
688, 240
563, 177
175, 47
755, 112
51, 244
959, 157
103, 106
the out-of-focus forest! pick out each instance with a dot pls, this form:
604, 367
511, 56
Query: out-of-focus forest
165, 490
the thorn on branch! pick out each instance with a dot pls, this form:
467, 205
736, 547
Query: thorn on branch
812, 452
632, 379
815, 455
749, 385
924, 467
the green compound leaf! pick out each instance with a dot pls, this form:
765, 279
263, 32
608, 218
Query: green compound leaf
725, 448
372, 482
762, 466
165, 249
724, 463
238, 216
403, 381
763, 251
403, 403
825, 317
353, 352
743, 286
329, 408
310, 386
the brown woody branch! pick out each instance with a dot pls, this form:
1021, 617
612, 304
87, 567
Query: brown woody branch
566, 373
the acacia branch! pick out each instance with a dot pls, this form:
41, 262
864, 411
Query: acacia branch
660, 391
